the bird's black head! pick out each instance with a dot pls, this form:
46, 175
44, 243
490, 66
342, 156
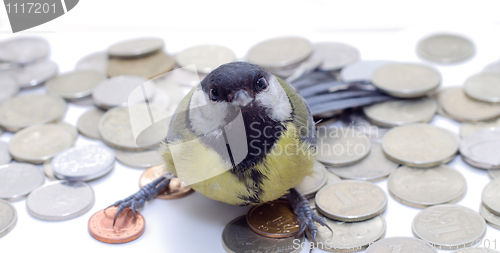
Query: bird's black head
237, 82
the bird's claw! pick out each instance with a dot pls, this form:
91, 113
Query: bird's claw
305, 216
137, 200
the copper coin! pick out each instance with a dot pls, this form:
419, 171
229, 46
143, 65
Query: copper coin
273, 219
176, 188
126, 229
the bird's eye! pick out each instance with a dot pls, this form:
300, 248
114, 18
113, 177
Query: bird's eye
262, 83
214, 94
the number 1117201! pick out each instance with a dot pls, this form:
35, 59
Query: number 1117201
31, 8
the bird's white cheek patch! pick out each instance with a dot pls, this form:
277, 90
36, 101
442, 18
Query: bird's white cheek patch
275, 100
206, 116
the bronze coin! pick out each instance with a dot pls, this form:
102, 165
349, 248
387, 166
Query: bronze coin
126, 229
273, 219
176, 188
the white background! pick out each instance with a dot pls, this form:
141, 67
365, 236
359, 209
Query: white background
387, 30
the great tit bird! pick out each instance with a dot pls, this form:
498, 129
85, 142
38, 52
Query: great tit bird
243, 137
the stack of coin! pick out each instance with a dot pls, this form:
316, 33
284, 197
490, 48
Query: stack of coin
142, 57
26, 58
350, 205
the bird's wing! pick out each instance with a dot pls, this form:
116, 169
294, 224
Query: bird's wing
301, 113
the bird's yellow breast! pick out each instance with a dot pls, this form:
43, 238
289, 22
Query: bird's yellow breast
284, 167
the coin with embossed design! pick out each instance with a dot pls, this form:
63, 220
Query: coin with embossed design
449, 226
445, 48
37, 144
238, 237
341, 146
205, 58
18, 179
74, 85
60, 200
423, 187
481, 148
400, 244
351, 200
273, 219
461, 107
406, 80
280, 52
491, 196
401, 112
83, 163
375, 166
420, 145
349, 236
29, 110
147, 67
128, 226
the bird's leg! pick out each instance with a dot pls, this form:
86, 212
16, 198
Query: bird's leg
146, 193
305, 215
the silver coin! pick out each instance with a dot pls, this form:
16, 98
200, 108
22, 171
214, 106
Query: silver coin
49, 172
139, 159
491, 196
88, 123
461, 107
4, 153
336, 55
341, 146
493, 67
186, 76
136, 47
19, 179
118, 126
467, 128
29, 110
148, 67
424, 187
35, 74
351, 200
484, 87
238, 237
24, 50
76, 84
8, 217
491, 218
420, 145
313, 182
357, 120
8, 86
122, 90
449, 226
83, 163
361, 70
402, 112
205, 57
494, 173
445, 48
374, 167
60, 200
481, 148
400, 244
476, 250
307, 66
37, 144
350, 236
69, 128
96, 61
280, 52
406, 80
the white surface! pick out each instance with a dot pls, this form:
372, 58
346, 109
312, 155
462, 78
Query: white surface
381, 30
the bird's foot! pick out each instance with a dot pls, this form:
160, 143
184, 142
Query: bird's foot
305, 216
148, 192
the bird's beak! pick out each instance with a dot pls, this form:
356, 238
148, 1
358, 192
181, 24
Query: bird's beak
241, 99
